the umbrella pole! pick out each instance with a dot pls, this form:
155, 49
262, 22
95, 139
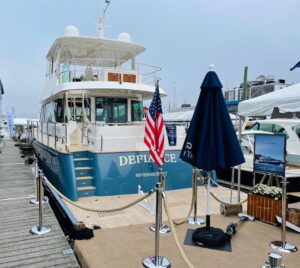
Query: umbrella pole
208, 201
195, 220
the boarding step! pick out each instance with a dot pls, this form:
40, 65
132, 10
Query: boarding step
82, 161
81, 154
84, 181
83, 171
85, 191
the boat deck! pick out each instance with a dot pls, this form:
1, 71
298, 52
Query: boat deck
18, 248
125, 239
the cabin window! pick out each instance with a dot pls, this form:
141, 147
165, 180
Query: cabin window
111, 110
42, 114
49, 113
136, 111
59, 110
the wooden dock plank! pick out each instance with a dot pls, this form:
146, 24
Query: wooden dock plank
19, 248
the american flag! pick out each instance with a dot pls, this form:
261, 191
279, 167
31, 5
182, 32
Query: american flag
154, 130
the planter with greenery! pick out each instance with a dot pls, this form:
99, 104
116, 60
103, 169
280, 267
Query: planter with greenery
264, 202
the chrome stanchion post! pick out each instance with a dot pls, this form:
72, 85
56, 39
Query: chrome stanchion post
274, 261
283, 246
36, 176
40, 229
163, 228
157, 260
195, 220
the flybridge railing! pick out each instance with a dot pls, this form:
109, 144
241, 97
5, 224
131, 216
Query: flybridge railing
110, 70
51, 134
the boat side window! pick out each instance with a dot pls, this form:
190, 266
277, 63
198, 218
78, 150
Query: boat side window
111, 110
42, 115
136, 111
49, 113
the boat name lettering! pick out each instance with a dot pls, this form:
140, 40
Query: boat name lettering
143, 158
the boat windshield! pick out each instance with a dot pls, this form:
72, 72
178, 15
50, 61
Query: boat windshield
268, 127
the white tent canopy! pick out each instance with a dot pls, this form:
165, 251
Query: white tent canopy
286, 100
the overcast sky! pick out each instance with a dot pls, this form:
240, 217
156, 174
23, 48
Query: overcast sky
182, 37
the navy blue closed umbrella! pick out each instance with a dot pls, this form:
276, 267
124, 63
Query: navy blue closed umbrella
211, 142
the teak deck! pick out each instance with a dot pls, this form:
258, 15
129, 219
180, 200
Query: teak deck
125, 239
18, 248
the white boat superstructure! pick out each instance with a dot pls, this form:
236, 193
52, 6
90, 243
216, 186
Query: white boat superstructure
93, 82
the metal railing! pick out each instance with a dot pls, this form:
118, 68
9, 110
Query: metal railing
115, 71
51, 134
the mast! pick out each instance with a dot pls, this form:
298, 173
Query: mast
101, 24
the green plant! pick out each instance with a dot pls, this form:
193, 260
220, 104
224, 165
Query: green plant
268, 191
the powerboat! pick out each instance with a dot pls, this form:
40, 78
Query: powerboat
288, 127
90, 136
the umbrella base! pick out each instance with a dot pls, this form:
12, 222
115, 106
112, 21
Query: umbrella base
212, 237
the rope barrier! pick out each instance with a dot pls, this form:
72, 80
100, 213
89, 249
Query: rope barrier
171, 222
94, 209
226, 203
191, 208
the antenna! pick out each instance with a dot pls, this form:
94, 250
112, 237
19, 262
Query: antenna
101, 24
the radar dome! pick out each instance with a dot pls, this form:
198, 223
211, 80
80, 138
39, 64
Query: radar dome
125, 37
71, 31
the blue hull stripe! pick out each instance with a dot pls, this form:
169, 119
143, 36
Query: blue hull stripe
112, 173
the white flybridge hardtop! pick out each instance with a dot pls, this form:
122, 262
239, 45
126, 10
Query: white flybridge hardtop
87, 51
98, 65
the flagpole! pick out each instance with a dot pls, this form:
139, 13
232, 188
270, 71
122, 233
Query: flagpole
163, 228
154, 140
